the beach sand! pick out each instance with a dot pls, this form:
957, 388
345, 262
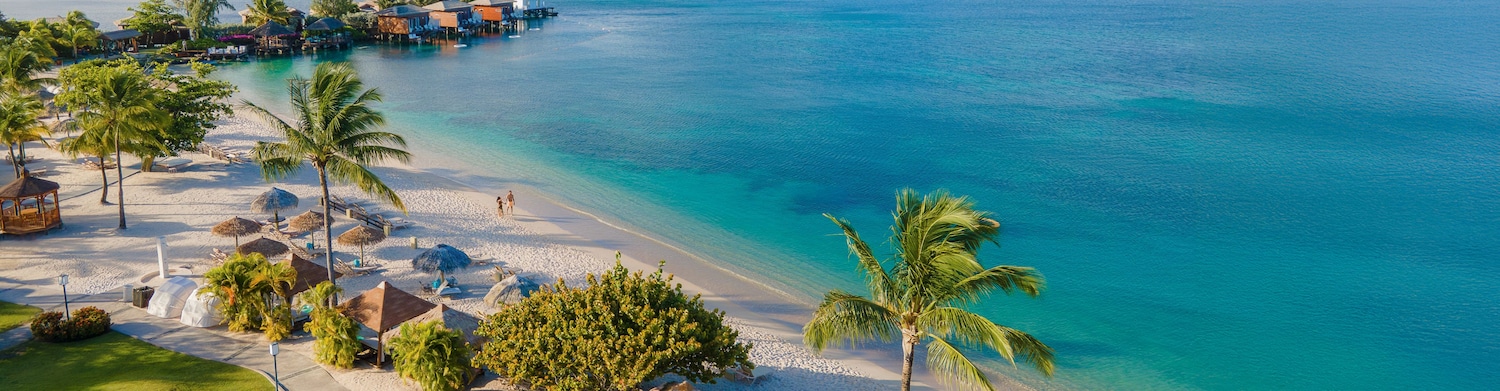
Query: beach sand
542, 239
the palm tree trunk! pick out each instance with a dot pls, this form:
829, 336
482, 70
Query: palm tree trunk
327, 227
103, 176
15, 166
120, 173
909, 352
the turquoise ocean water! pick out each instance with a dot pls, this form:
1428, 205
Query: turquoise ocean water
1223, 194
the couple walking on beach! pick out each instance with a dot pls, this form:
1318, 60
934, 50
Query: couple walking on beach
507, 201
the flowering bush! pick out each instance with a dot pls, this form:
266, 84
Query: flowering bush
87, 322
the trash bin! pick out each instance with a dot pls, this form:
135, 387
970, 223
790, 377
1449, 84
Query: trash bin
142, 296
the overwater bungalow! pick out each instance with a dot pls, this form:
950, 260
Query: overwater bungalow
274, 37
403, 21
325, 33
452, 14
494, 11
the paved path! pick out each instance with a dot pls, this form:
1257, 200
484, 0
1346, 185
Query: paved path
298, 372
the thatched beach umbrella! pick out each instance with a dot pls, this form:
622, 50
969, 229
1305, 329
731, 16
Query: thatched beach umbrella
361, 236
441, 259
309, 221
271, 29
325, 24
267, 247
274, 201
511, 290
236, 227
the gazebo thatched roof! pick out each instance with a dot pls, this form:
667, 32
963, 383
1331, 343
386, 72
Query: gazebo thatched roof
119, 35
267, 247
325, 24
307, 221
361, 235
271, 29
309, 274
383, 307
452, 319
27, 186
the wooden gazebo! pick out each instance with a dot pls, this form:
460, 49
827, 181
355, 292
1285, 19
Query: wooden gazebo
29, 205
381, 309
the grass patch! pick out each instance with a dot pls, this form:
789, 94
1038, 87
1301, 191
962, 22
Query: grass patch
115, 361
12, 315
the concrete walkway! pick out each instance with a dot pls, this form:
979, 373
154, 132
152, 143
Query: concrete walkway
298, 372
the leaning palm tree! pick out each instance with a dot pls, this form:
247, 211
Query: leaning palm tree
432, 355
921, 293
121, 109
335, 132
202, 14
19, 124
262, 11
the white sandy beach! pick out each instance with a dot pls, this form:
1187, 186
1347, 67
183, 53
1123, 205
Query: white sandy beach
543, 239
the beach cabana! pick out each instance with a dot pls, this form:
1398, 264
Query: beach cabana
381, 309
495, 11
29, 205
119, 40
170, 297
309, 274
403, 20
452, 14
452, 319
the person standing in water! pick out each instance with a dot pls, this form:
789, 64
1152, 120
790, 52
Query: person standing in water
510, 201
501, 210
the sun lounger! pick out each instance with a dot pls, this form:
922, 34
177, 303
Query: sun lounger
349, 269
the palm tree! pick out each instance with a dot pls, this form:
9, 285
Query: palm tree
21, 63
432, 355
80, 36
122, 109
262, 11
234, 283
19, 124
92, 146
276, 279
202, 14
334, 132
921, 293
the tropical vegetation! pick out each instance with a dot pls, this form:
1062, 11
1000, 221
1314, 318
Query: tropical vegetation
921, 292
119, 109
337, 335
19, 125
333, 8
154, 16
201, 15
622, 329
86, 322
115, 361
254, 294
262, 11
433, 356
335, 131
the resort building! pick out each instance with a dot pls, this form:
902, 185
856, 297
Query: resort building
119, 41
403, 20
452, 14
494, 11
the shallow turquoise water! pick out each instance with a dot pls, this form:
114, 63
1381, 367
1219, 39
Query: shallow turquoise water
1223, 195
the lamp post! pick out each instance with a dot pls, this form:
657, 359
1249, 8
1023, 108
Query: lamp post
63, 280
275, 371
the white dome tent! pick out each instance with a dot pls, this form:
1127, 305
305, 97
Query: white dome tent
170, 297
202, 309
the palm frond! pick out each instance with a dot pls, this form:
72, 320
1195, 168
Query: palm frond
951, 365
344, 171
879, 281
845, 320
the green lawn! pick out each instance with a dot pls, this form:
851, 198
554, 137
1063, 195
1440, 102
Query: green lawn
12, 314
115, 361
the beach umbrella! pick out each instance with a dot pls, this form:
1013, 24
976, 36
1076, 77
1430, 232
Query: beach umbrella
274, 201
267, 247
309, 221
511, 290
361, 236
441, 259
236, 227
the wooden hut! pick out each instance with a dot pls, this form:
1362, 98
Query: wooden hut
494, 11
452, 14
403, 20
119, 41
273, 37
381, 309
29, 205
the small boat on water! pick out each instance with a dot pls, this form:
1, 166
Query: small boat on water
460, 45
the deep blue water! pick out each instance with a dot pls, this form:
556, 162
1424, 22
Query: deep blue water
1222, 194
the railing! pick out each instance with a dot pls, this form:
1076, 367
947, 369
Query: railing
29, 222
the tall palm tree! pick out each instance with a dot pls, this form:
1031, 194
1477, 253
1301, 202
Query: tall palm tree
202, 14
20, 65
434, 356
335, 132
122, 109
80, 36
921, 293
94, 146
262, 11
19, 124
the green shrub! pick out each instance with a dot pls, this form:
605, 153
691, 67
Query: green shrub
246, 286
87, 322
337, 335
623, 329
433, 356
